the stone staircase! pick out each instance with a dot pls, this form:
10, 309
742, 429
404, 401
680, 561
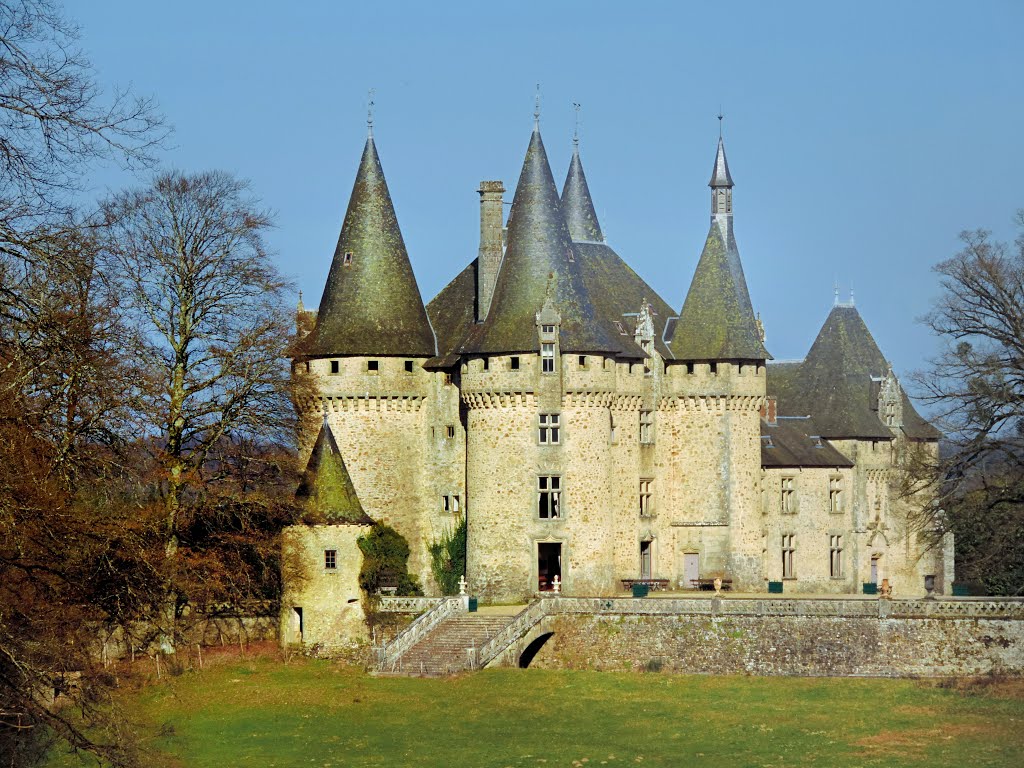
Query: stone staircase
443, 651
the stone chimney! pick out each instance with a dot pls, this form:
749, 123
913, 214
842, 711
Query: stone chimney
769, 410
491, 244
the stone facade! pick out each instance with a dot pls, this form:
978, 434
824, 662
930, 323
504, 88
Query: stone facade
590, 433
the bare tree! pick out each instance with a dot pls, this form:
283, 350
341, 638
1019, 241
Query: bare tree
976, 388
212, 332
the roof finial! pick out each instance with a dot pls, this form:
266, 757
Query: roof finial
576, 131
369, 112
851, 295
536, 110
835, 291
721, 117
301, 307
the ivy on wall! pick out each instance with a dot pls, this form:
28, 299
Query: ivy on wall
448, 558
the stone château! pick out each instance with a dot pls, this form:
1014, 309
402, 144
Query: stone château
589, 431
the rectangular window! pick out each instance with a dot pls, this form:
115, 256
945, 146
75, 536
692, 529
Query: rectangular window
408, 366
646, 427
513, 363
450, 502
348, 259
372, 366
788, 549
583, 362
549, 497
835, 494
330, 559
486, 364
450, 431
447, 378
547, 329
646, 500
788, 500
547, 358
549, 428
335, 366
835, 557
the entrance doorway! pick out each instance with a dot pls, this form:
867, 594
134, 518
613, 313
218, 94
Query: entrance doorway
549, 565
645, 560
297, 624
691, 569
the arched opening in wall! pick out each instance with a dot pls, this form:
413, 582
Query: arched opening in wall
531, 650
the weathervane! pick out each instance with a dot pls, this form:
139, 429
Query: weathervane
576, 132
536, 109
720, 118
369, 111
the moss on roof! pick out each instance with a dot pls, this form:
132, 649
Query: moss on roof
717, 321
539, 256
834, 383
371, 304
326, 485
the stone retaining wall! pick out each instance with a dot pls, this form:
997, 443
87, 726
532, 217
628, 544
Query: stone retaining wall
898, 638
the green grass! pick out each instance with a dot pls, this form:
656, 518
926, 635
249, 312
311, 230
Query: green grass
316, 713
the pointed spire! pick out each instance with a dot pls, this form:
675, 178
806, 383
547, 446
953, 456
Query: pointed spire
300, 307
371, 304
539, 245
326, 485
577, 203
717, 321
720, 176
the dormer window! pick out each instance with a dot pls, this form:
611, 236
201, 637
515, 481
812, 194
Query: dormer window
547, 358
347, 261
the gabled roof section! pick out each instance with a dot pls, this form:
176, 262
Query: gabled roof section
326, 485
453, 311
720, 176
539, 250
796, 442
371, 304
578, 205
717, 321
835, 383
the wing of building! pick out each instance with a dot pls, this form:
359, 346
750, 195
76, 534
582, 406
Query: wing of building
591, 433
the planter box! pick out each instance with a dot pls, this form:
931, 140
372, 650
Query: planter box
870, 588
774, 587
640, 590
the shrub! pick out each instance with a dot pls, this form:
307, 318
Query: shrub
448, 558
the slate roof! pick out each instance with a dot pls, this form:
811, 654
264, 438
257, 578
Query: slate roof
326, 484
796, 442
834, 383
539, 259
717, 320
720, 176
453, 311
372, 305
578, 205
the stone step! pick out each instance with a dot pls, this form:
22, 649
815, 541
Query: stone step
443, 651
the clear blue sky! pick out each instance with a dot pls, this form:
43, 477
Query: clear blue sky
862, 136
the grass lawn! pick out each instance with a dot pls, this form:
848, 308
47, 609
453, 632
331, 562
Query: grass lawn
263, 713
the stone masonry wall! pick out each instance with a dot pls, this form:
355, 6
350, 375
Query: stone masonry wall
808, 638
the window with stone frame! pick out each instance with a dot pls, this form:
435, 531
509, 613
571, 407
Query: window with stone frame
549, 497
788, 552
646, 497
547, 357
646, 427
450, 502
835, 556
835, 494
330, 559
549, 428
449, 431
788, 497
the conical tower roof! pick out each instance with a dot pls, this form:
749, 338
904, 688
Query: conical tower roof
326, 484
540, 252
577, 204
836, 383
720, 176
371, 304
717, 321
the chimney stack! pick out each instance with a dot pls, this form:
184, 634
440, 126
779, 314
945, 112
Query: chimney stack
491, 246
769, 410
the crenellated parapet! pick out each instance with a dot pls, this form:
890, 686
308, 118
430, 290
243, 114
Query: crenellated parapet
719, 404
483, 400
